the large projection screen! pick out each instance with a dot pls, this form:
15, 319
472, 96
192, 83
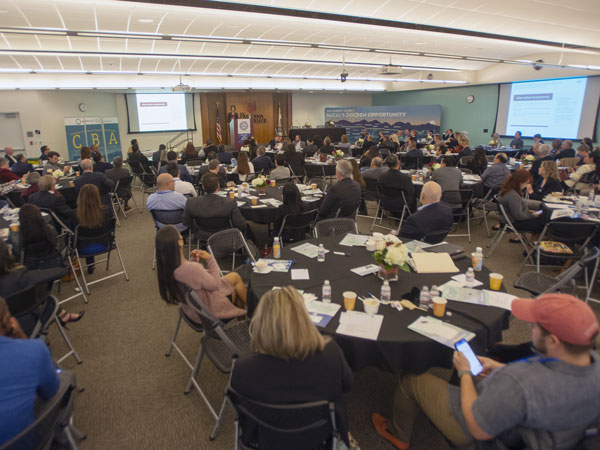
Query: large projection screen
150, 113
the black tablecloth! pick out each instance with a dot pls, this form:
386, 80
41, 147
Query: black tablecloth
308, 133
314, 169
397, 347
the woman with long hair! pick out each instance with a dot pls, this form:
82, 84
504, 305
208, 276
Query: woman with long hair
36, 238
479, 162
358, 177
292, 363
586, 175
202, 275
244, 166
518, 208
367, 157
293, 206
189, 152
548, 183
344, 144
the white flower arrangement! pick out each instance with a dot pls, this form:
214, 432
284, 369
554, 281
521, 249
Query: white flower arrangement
436, 166
430, 147
259, 181
529, 158
338, 154
58, 173
395, 254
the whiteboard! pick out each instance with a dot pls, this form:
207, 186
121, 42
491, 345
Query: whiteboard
11, 133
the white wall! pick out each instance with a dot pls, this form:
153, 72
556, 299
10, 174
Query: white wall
311, 107
26, 104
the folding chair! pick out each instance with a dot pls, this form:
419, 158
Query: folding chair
230, 242
370, 194
108, 241
137, 170
313, 171
334, 227
117, 199
384, 205
148, 184
486, 205
465, 161
300, 223
462, 213
506, 225
204, 227
221, 343
302, 425
164, 217
435, 237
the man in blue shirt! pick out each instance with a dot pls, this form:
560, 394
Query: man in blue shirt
165, 198
27, 372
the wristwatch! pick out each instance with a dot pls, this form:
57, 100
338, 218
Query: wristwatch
463, 372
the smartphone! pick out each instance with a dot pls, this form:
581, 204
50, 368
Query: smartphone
539, 211
464, 347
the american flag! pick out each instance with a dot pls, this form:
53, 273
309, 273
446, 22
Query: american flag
219, 135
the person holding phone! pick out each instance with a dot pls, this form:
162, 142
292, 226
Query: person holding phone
550, 399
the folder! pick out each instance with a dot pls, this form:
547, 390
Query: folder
426, 262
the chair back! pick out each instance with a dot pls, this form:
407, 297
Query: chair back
26, 300
571, 231
390, 203
136, 167
229, 242
105, 237
300, 222
334, 227
465, 161
211, 225
571, 163
59, 225
314, 171
301, 426
412, 162
194, 162
36, 255
504, 217
466, 171
568, 275
166, 216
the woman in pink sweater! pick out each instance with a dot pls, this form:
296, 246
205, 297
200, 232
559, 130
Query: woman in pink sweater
175, 272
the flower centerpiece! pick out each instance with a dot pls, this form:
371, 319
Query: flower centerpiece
260, 183
360, 142
430, 147
393, 256
433, 166
528, 158
338, 154
57, 174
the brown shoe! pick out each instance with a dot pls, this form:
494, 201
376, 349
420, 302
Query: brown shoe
380, 424
127, 208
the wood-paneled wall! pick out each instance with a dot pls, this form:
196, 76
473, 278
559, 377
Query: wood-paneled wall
263, 107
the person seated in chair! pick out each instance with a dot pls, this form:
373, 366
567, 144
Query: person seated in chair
165, 198
49, 198
262, 162
212, 206
100, 165
172, 158
548, 182
414, 155
280, 171
344, 196
392, 184
520, 211
543, 154
547, 401
292, 206
21, 167
292, 363
449, 178
6, 174
183, 187
223, 156
432, 215
32, 178
294, 160
578, 179
215, 167
28, 372
121, 175
201, 274
138, 158
244, 167
496, 174
376, 170
98, 179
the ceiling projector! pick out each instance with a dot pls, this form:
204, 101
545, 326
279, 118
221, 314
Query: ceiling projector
182, 87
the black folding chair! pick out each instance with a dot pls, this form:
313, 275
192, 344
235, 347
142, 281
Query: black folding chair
204, 227
335, 227
462, 213
388, 206
231, 242
295, 225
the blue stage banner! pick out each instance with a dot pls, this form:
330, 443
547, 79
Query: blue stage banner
389, 119
112, 138
76, 137
88, 131
93, 132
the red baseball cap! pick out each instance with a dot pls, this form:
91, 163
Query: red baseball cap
566, 317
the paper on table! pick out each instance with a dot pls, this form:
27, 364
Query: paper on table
442, 332
416, 246
240, 204
308, 250
259, 206
359, 324
300, 274
278, 265
477, 297
462, 279
272, 202
365, 270
432, 263
559, 206
354, 240
562, 212
329, 309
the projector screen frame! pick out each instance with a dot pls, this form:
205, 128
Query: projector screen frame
161, 131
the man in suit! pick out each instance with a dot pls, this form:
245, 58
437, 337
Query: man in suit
566, 150
449, 178
172, 158
294, 160
98, 179
160, 156
223, 156
210, 147
21, 167
376, 170
53, 164
48, 198
310, 149
138, 158
9, 155
392, 184
118, 174
415, 155
213, 166
262, 162
431, 216
386, 147
212, 206
517, 142
44, 149
343, 196
299, 143
99, 164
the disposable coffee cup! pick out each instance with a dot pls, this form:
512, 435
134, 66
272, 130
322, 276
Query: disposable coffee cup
349, 300
231, 194
273, 183
313, 186
439, 306
261, 266
14, 227
495, 281
371, 306
254, 201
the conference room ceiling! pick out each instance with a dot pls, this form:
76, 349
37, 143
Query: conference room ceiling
454, 39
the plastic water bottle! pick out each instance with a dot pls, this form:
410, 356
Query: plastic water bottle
386, 292
592, 196
276, 248
470, 275
321, 253
425, 298
477, 259
578, 208
434, 292
326, 292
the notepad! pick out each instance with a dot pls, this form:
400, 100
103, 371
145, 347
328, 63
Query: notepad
562, 212
442, 332
359, 324
354, 240
432, 263
365, 270
308, 250
477, 297
300, 274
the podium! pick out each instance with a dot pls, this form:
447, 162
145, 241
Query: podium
240, 130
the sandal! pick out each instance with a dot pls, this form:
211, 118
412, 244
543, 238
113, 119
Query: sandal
70, 317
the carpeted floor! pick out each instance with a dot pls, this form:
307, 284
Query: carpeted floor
133, 397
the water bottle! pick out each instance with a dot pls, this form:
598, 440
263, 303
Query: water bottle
425, 298
276, 248
321, 253
470, 275
386, 292
477, 259
592, 196
434, 292
326, 292
578, 208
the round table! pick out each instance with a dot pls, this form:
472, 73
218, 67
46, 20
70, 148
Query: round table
319, 169
396, 347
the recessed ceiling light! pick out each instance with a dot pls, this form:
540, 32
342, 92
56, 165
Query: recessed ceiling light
420, 43
145, 20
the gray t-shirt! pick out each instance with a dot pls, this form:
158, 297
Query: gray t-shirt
537, 394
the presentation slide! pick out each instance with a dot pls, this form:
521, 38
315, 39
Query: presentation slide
560, 108
160, 112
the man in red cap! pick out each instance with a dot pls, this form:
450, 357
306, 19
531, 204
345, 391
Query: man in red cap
550, 399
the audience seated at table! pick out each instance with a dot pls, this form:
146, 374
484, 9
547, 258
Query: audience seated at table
582, 152
521, 212
376, 170
517, 142
223, 156
391, 185
452, 140
517, 403
280, 171
121, 175
344, 196
367, 157
556, 148
6, 174
262, 162
172, 157
368, 143
94, 220
543, 154
9, 154
299, 143
159, 157
292, 363
415, 154
32, 179
449, 178
138, 158
201, 274
215, 167
386, 146
463, 147
48, 198
310, 148
326, 149
440, 152
495, 141
21, 167
28, 373
293, 206
496, 174
547, 183
189, 153
294, 160
44, 150
88, 176
183, 187
358, 177
344, 144
432, 216
244, 167
165, 198
585, 175
479, 163
100, 165
212, 206
53, 164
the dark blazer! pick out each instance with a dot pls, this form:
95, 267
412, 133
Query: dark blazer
57, 204
11, 160
102, 167
345, 194
569, 153
262, 163
517, 143
183, 172
211, 148
391, 184
224, 157
539, 191
466, 151
309, 150
115, 175
212, 206
222, 175
140, 158
21, 168
323, 376
295, 161
99, 180
535, 167
434, 217
415, 153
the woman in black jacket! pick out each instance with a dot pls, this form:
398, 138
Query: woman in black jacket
548, 182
